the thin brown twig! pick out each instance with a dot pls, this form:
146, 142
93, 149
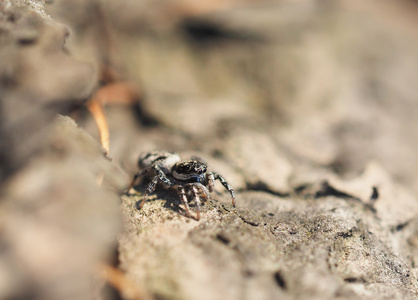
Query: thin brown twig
118, 280
99, 116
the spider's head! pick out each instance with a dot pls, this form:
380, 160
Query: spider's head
191, 170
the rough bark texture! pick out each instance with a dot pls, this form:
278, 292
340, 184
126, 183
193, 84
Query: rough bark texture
308, 109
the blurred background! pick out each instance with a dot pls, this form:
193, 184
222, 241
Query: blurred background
332, 82
275, 94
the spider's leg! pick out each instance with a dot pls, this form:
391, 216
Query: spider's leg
182, 195
226, 185
210, 181
203, 190
162, 177
131, 185
197, 199
196, 189
149, 190
137, 175
159, 173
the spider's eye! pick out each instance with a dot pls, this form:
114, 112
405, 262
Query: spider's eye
203, 170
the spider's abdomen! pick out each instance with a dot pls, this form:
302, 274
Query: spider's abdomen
163, 159
191, 170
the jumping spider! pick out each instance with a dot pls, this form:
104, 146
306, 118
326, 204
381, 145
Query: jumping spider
189, 178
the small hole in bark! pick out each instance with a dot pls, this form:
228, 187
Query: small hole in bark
248, 273
375, 194
280, 280
224, 239
354, 280
26, 41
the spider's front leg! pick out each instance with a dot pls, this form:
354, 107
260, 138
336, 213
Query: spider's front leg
160, 176
216, 176
210, 179
197, 199
136, 176
182, 194
196, 189
197, 186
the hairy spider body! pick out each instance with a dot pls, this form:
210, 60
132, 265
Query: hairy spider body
190, 178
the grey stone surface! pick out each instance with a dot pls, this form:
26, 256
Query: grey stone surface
296, 247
